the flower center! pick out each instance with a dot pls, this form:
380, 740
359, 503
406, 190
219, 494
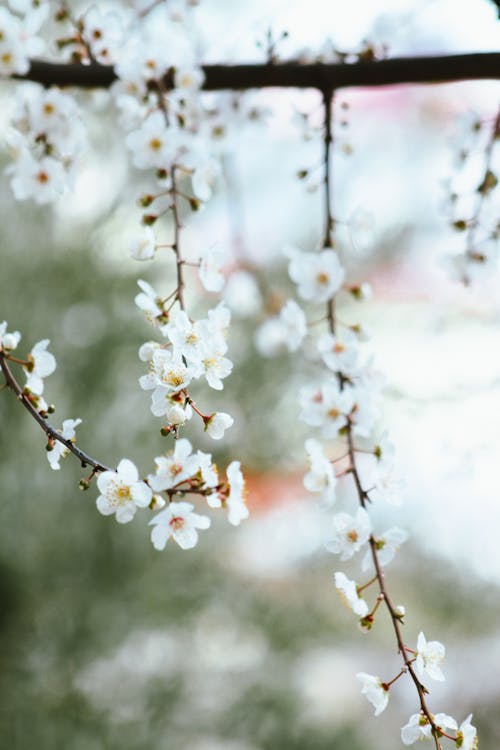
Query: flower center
155, 144
176, 523
322, 278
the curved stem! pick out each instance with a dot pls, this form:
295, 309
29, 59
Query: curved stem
50, 431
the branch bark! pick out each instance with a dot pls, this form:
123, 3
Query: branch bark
326, 77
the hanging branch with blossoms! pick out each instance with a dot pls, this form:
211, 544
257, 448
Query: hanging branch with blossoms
175, 139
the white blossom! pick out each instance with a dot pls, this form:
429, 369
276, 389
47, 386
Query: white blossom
218, 423
204, 178
189, 78
210, 478
122, 492
41, 364
348, 591
419, 727
59, 450
150, 302
166, 372
8, 341
376, 693
318, 275
467, 735
326, 407
43, 179
178, 522
340, 352
350, 533
429, 657
387, 544
175, 467
294, 323
235, 502
321, 476
143, 246
212, 261
151, 145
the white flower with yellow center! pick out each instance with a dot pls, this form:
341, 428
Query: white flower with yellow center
151, 143
318, 275
349, 594
174, 468
41, 364
376, 692
387, 544
59, 450
430, 655
8, 341
177, 522
167, 373
349, 533
122, 492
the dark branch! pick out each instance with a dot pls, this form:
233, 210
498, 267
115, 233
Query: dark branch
50, 431
436, 69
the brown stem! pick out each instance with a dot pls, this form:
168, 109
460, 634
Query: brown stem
293, 74
176, 243
362, 494
50, 431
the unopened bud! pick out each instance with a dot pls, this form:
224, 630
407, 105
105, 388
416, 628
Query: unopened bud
84, 484
194, 204
146, 200
149, 219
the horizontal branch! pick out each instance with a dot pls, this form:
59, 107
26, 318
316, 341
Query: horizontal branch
435, 69
50, 431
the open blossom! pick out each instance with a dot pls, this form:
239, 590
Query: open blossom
326, 407
350, 533
215, 367
174, 468
212, 261
59, 450
235, 502
151, 145
8, 341
204, 178
143, 246
467, 735
41, 179
348, 592
18, 40
340, 352
151, 303
321, 476
122, 492
166, 372
210, 478
376, 693
430, 655
189, 78
185, 336
419, 727
42, 364
387, 545
217, 424
318, 275
178, 522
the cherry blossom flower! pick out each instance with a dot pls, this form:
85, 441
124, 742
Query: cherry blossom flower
318, 275
41, 364
430, 654
467, 735
175, 467
43, 179
151, 144
210, 478
340, 352
185, 336
204, 178
166, 372
349, 594
151, 303
212, 261
326, 407
294, 324
59, 450
8, 341
375, 691
217, 424
215, 367
122, 492
235, 502
387, 544
321, 476
143, 246
178, 522
419, 727
349, 533
189, 78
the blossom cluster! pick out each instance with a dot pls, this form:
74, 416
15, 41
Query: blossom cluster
341, 403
